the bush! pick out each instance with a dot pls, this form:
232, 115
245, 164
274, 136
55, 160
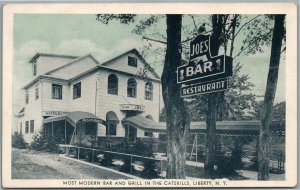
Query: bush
108, 159
236, 157
126, 167
17, 141
149, 171
83, 153
225, 166
42, 142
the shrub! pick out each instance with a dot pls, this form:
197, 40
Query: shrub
236, 157
83, 153
42, 142
149, 171
225, 166
92, 157
126, 167
108, 159
17, 141
142, 148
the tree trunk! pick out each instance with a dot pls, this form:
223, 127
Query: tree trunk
211, 135
211, 115
177, 119
263, 148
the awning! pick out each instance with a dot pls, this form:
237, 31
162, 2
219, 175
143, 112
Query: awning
111, 117
144, 124
247, 127
76, 117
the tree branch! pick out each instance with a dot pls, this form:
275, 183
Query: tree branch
283, 50
241, 52
258, 38
159, 41
245, 25
194, 22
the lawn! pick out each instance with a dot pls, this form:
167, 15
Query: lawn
28, 164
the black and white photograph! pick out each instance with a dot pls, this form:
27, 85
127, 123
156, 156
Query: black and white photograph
149, 95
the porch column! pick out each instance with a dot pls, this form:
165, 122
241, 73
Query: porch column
52, 129
65, 132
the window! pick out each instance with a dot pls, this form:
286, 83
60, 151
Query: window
132, 61
112, 86
131, 88
27, 97
77, 90
56, 91
31, 126
148, 134
21, 128
148, 91
34, 68
91, 128
111, 129
26, 127
37, 92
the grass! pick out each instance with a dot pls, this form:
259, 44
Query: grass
41, 165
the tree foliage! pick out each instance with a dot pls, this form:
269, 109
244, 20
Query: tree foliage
122, 18
237, 103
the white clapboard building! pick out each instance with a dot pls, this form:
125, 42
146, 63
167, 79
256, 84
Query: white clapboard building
70, 92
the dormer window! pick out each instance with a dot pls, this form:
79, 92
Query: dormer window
34, 69
27, 97
132, 61
36, 92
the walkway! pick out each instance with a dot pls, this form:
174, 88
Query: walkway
40, 165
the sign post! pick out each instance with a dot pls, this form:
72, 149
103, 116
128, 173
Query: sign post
204, 73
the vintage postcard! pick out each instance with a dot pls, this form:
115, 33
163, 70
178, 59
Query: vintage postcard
140, 95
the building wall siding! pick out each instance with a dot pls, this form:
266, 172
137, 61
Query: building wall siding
94, 93
75, 68
49, 104
109, 102
32, 112
87, 100
45, 63
122, 64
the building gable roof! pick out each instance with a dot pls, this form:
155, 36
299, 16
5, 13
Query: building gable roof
72, 62
37, 55
135, 51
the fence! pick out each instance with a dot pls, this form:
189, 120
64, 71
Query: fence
132, 164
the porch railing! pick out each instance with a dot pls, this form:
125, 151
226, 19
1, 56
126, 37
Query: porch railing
95, 155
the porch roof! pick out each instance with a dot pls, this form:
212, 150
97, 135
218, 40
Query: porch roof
74, 117
200, 127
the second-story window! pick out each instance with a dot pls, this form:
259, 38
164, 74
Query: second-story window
27, 97
131, 88
34, 69
132, 61
37, 92
56, 91
148, 91
77, 90
112, 85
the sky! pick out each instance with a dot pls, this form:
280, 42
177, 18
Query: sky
82, 34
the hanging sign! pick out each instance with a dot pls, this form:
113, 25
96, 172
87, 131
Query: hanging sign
205, 87
54, 113
203, 68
